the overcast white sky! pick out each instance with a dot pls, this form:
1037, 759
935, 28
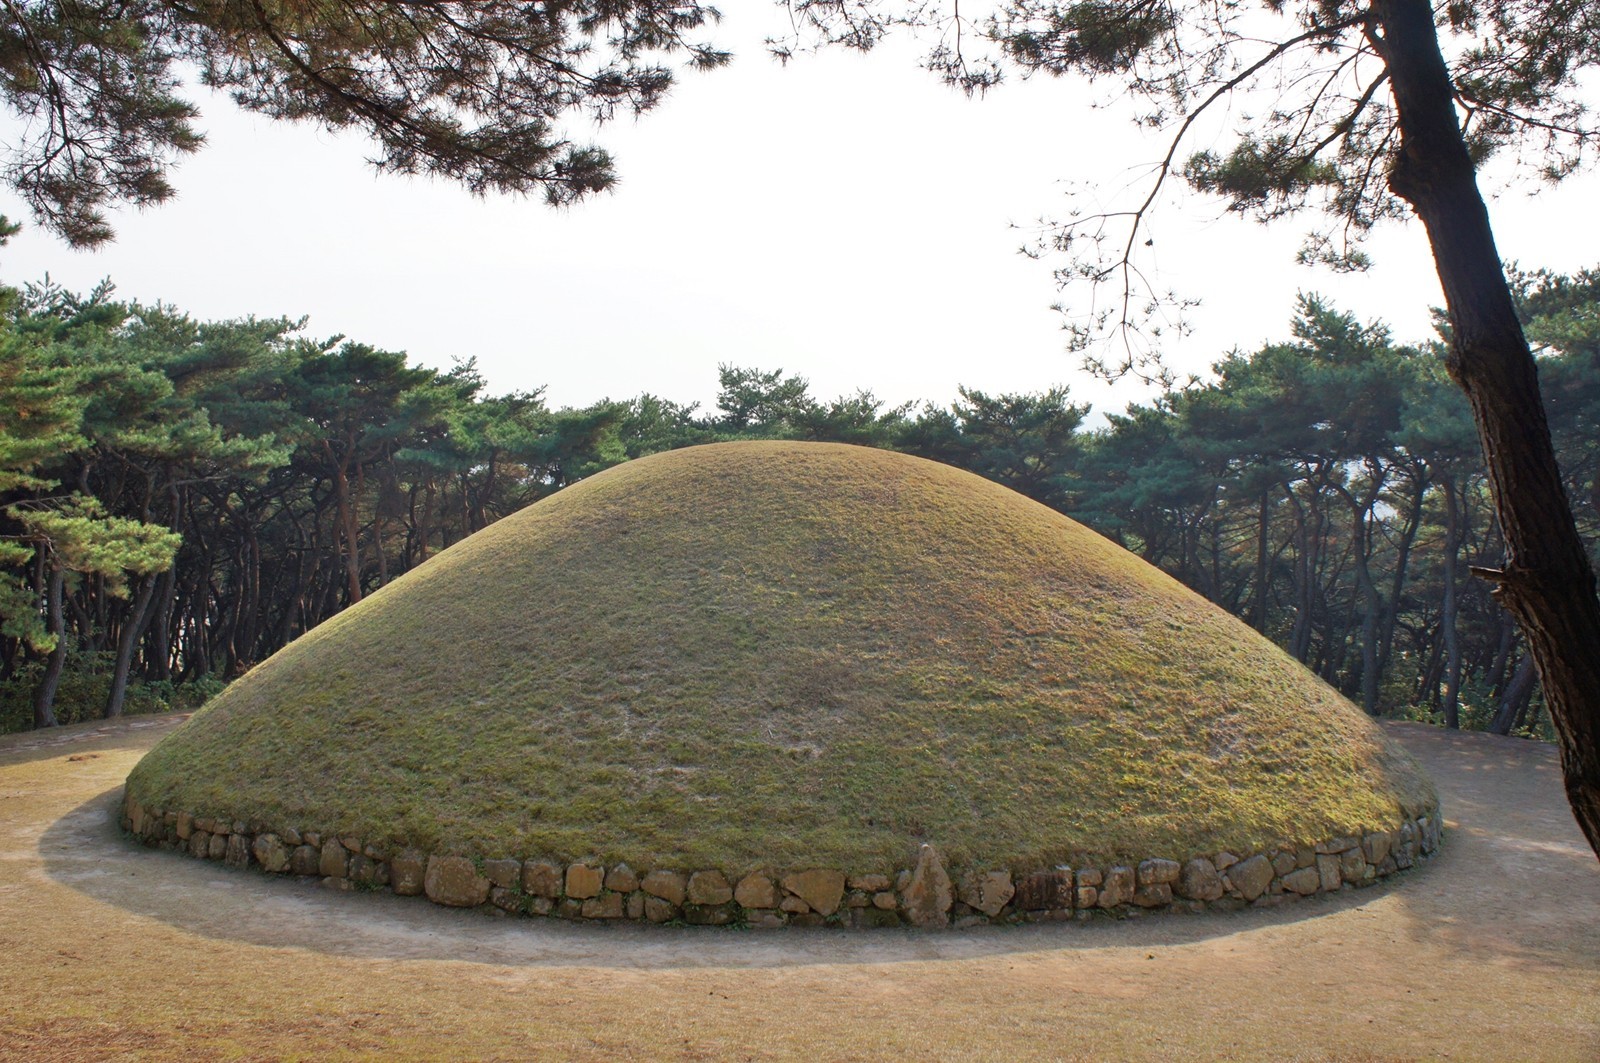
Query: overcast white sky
847, 218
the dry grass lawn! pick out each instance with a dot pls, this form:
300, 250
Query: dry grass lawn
1490, 952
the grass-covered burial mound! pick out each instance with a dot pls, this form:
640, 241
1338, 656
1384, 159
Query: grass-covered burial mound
782, 657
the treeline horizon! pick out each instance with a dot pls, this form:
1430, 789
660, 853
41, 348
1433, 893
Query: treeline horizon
180, 499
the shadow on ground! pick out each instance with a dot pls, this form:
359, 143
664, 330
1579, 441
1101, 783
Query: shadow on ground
86, 852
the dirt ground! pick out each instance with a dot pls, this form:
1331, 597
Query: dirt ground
107, 951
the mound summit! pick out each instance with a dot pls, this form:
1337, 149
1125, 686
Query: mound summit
784, 656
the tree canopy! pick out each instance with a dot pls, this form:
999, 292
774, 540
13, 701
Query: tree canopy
181, 498
475, 92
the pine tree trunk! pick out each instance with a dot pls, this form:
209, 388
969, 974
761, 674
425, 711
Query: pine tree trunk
1547, 583
44, 698
1263, 531
132, 629
1447, 620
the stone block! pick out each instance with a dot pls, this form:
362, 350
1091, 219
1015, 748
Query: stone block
606, 906
1251, 877
928, 895
670, 886
271, 853
1376, 846
756, 890
872, 883
1199, 880
507, 874
1353, 866
1158, 872
987, 891
237, 854
1328, 874
709, 888
1303, 880
659, 910
1044, 890
335, 861
621, 879
821, 888
1118, 886
454, 881
407, 871
541, 878
583, 881
1154, 895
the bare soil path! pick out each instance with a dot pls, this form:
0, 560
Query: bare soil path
107, 950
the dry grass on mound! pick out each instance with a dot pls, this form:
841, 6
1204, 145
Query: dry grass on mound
788, 654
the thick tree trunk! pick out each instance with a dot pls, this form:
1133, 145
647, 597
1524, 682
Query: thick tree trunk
1547, 583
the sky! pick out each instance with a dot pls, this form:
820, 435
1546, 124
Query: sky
844, 217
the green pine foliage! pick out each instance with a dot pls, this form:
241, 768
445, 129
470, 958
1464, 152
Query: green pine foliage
1327, 489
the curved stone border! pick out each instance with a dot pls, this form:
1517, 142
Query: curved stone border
925, 895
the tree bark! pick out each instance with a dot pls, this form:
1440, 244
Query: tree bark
132, 629
1514, 702
1263, 530
1447, 620
1547, 583
44, 698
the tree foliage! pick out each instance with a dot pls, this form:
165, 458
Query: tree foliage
179, 499
475, 92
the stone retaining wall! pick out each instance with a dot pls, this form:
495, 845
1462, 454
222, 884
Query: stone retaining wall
925, 895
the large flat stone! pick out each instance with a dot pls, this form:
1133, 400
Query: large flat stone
820, 888
454, 881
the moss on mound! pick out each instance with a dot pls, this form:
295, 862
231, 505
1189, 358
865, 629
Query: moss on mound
787, 654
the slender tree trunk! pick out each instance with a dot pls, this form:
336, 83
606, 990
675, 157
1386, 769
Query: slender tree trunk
1447, 621
44, 698
1402, 565
132, 629
1547, 583
345, 515
1263, 535
1514, 701
158, 659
